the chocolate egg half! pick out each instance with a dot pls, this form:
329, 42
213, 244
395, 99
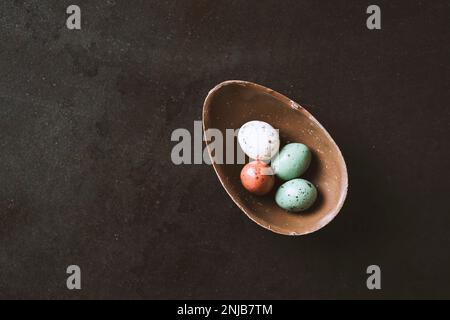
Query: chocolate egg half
231, 104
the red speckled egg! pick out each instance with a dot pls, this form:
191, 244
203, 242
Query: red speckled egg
257, 177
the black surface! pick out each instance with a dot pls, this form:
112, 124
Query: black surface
85, 171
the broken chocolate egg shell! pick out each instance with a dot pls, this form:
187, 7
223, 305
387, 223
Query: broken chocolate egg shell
231, 104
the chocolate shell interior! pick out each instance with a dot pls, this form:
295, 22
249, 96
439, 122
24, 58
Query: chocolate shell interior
231, 104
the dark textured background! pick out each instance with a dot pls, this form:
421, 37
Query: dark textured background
85, 171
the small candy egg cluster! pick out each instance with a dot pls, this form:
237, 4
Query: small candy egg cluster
261, 142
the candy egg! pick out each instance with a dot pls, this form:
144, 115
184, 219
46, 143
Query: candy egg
296, 195
292, 161
259, 140
257, 177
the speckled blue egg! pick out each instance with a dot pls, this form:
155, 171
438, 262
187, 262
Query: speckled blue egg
292, 161
296, 195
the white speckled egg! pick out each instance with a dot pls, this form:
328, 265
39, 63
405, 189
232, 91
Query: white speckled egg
259, 140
